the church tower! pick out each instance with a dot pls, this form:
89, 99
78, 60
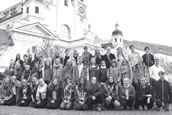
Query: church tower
117, 37
71, 19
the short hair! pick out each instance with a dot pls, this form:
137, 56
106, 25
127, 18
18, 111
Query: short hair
131, 46
146, 48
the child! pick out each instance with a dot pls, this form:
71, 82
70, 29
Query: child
67, 95
162, 92
93, 69
81, 95
127, 94
95, 99
41, 97
54, 94
111, 94
24, 94
102, 73
144, 96
47, 72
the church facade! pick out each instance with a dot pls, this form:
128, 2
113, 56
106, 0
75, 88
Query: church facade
32, 22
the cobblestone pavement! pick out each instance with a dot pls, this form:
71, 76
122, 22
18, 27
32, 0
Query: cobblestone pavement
14, 110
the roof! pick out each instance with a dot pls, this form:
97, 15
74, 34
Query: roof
155, 48
40, 25
5, 39
117, 32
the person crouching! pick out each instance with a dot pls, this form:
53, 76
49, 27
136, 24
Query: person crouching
81, 95
127, 94
111, 94
95, 100
67, 95
144, 95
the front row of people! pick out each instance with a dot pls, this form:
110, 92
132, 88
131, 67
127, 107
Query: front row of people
85, 95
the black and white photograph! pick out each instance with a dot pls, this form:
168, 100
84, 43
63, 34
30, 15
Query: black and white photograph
85, 57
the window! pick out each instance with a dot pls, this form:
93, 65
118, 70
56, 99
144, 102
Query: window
37, 10
120, 39
115, 40
66, 2
65, 32
27, 10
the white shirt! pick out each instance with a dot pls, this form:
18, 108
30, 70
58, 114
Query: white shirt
154, 70
80, 69
133, 58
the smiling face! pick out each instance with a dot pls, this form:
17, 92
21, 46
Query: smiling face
47, 63
55, 82
126, 82
143, 81
93, 80
41, 82
7, 81
93, 60
24, 82
82, 80
111, 80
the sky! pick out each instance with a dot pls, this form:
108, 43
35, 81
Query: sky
141, 20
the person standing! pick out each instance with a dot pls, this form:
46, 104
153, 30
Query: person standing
108, 57
162, 92
148, 58
86, 56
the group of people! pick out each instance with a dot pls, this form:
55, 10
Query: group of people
87, 82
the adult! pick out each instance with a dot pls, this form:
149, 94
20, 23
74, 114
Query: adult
66, 57
86, 56
133, 57
120, 56
98, 57
108, 57
148, 58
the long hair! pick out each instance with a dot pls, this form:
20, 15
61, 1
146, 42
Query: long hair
84, 86
45, 65
53, 87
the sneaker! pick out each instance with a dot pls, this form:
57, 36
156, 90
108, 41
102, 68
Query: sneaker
99, 108
157, 109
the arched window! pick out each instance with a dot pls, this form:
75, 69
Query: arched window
37, 10
115, 39
66, 2
27, 10
65, 32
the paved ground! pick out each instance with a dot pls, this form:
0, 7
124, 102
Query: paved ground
14, 110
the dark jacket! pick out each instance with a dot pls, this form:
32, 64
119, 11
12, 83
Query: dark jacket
141, 92
50, 94
148, 60
26, 93
102, 75
94, 89
132, 92
158, 91
108, 62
